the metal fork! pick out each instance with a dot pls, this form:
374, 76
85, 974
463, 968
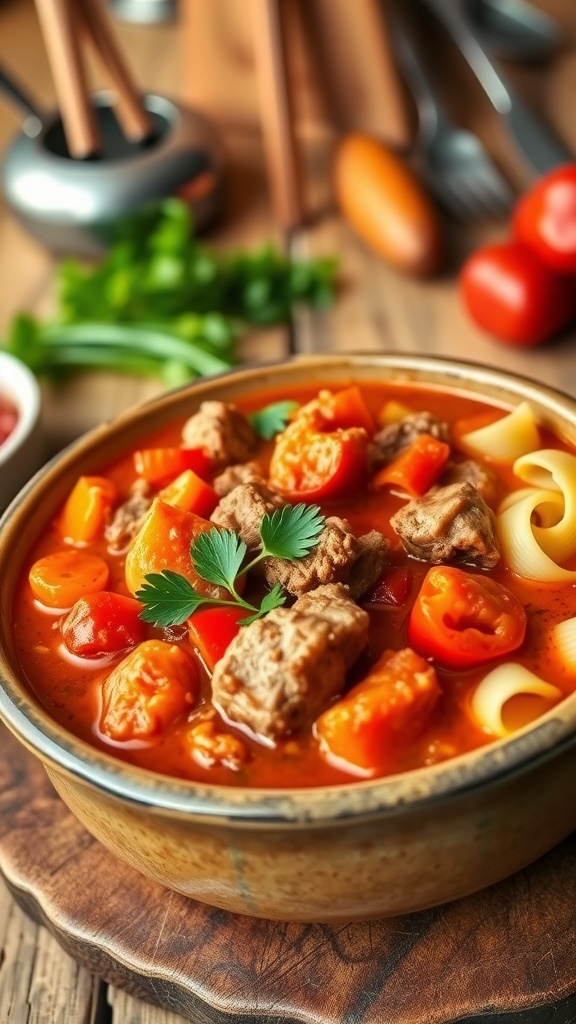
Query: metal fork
453, 161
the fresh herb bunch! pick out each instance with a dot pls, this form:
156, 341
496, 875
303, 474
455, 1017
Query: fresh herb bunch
219, 557
160, 303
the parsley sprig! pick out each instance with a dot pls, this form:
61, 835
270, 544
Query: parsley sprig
219, 557
272, 419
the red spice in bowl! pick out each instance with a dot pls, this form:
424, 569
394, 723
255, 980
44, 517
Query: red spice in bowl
8, 417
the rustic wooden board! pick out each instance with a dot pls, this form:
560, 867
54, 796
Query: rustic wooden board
507, 950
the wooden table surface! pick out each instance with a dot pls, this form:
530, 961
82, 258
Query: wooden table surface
376, 310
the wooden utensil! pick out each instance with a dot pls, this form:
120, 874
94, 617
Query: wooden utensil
65, 25
133, 116
276, 113
58, 27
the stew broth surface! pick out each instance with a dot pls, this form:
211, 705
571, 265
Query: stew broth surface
69, 686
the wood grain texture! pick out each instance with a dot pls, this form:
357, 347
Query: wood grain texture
507, 949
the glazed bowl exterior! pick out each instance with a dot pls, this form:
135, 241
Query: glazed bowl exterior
362, 850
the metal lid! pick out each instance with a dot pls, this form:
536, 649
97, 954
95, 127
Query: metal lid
147, 12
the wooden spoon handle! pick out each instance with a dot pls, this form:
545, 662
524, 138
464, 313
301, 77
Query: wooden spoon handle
135, 119
61, 42
276, 114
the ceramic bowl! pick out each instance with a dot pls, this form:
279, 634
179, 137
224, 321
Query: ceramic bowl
356, 851
21, 452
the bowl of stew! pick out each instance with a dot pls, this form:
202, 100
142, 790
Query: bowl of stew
299, 642
20, 439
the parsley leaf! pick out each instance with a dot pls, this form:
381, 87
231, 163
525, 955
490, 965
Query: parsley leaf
292, 531
168, 598
272, 419
218, 557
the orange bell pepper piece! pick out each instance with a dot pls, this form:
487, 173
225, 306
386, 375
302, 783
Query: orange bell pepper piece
86, 509
158, 465
189, 492
415, 469
62, 578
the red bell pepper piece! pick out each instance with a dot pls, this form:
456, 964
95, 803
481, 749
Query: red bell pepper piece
461, 619
346, 408
212, 630
157, 465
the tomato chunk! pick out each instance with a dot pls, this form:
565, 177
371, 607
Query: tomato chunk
308, 465
153, 686
461, 619
103, 623
390, 706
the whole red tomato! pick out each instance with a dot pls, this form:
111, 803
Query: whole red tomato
510, 293
545, 219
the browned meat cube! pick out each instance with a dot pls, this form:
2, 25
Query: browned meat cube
348, 622
243, 509
222, 431
481, 477
395, 437
451, 523
330, 561
233, 476
129, 516
282, 670
369, 564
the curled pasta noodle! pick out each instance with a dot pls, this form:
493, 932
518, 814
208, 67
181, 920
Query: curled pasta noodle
549, 512
520, 546
508, 438
564, 635
499, 687
556, 471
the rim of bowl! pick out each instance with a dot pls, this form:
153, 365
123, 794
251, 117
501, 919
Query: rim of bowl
19, 385
551, 735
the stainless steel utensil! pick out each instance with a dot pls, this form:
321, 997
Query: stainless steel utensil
72, 205
535, 142
453, 162
514, 29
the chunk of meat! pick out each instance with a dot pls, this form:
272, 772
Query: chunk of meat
222, 431
481, 477
450, 523
370, 562
233, 476
129, 516
243, 509
283, 669
151, 687
210, 745
391, 705
395, 437
330, 561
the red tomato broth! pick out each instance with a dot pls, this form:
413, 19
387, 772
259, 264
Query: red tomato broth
70, 690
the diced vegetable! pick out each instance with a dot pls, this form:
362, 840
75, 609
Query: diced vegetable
310, 466
189, 492
393, 587
153, 686
164, 542
415, 469
86, 510
157, 465
62, 578
346, 408
390, 706
103, 623
212, 630
461, 619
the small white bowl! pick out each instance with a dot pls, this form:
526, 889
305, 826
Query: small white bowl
22, 451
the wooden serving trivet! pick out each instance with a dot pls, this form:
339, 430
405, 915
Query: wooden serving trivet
508, 950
